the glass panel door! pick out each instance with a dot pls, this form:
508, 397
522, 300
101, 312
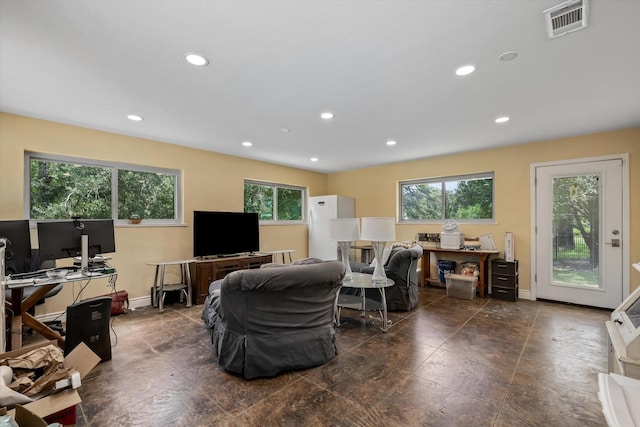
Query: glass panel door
578, 225
576, 230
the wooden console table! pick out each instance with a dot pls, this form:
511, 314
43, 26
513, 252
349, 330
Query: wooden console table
206, 271
480, 256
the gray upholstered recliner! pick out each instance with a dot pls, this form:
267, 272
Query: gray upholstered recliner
402, 269
271, 320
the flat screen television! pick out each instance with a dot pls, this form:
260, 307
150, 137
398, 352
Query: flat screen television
225, 233
61, 239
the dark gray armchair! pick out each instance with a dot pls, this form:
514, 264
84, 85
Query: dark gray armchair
402, 269
271, 320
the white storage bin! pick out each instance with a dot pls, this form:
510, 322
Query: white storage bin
451, 240
461, 286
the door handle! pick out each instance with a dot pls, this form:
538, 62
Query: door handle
615, 243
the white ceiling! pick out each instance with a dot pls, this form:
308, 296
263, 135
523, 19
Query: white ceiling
385, 68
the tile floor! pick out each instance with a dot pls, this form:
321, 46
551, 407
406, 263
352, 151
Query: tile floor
449, 362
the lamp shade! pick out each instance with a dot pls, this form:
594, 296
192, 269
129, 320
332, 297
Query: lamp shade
345, 229
381, 229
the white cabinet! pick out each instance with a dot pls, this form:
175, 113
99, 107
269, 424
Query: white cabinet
624, 337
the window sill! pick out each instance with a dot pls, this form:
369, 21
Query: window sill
149, 224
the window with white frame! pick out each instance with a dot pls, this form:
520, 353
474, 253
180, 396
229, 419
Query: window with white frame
61, 187
467, 198
274, 202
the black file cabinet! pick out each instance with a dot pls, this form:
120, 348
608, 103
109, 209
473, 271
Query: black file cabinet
504, 279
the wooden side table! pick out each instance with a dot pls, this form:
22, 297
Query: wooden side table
482, 256
366, 252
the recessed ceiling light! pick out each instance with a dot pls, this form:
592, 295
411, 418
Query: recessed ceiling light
391, 143
503, 119
284, 130
314, 159
509, 56
327, 115
465, 70
247, 143
196, 59
134, 118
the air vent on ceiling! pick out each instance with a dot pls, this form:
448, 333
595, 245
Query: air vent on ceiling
566, 17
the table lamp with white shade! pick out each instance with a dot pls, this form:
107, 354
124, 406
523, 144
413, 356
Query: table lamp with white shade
344, 231
379, 231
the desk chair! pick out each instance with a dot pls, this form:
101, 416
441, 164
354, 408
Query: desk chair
27, 266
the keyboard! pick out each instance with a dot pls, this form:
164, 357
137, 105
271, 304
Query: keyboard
38, 274
29, 275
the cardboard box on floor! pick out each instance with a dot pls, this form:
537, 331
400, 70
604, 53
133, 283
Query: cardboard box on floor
26, 418
82, 359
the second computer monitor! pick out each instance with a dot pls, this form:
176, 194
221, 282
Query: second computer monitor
62, 239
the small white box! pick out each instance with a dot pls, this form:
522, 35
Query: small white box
461, 286
508, 246
450, 240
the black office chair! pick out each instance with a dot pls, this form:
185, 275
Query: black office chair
27, 266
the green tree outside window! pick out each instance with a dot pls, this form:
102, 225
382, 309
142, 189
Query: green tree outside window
274, 202
461, 198
61, 189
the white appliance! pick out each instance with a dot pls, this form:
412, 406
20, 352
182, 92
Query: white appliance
451, 237
322, 209
624, 336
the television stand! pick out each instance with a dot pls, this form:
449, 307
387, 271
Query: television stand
228, 255
205, 271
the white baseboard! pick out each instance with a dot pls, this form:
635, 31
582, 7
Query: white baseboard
524, 294
134, 303
139, 302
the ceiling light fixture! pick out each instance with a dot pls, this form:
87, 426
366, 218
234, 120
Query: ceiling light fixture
196, 59
247, 143
503, 119
509, 56
465, 70
314, 159
284, 130
327, 115
391, 143
134, 118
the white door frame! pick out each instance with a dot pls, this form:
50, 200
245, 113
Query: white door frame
626, 243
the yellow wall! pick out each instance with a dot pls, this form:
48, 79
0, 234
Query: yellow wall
211, 181
375, 189
215, 182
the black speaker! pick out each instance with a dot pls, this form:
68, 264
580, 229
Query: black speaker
88, 322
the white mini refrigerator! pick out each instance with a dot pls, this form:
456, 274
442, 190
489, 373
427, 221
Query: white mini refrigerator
322, 209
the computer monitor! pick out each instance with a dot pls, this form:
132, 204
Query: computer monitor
62, 239
18, 250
